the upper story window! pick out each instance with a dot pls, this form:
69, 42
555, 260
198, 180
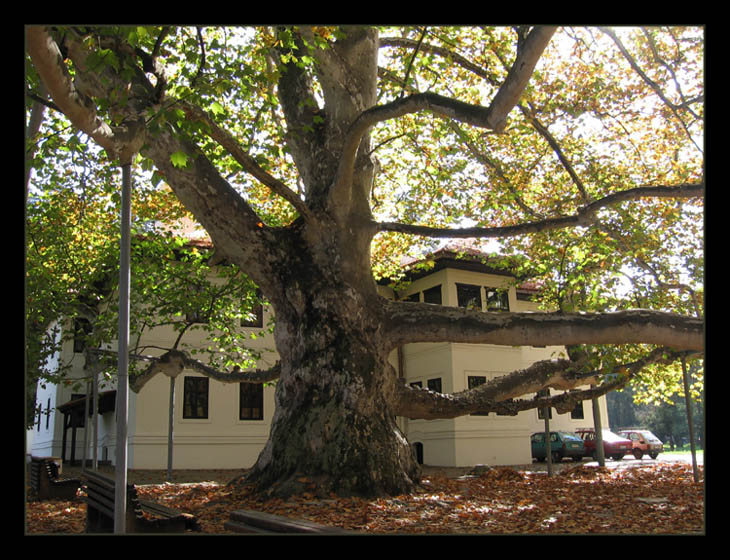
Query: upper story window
497, 299
82, 328
195, 397
255, 317
197, 311
432, 295
469, 296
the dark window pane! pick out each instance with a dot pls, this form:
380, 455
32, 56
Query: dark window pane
252, 401
469, 296
433, 295
82, 328
195, 397
434, 384
497, 300
255, 318
577, 412
475, 381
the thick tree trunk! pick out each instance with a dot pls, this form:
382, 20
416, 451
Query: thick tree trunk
334, 429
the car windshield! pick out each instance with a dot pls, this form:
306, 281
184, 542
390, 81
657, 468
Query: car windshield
610, 436
567, 435
650, 437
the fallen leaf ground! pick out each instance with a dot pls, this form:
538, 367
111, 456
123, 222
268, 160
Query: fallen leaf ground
648, 499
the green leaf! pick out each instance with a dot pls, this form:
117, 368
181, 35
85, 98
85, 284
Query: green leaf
179, 159
217, 108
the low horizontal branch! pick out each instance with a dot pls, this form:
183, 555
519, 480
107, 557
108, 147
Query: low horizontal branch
173, 362
502, 394
409, 322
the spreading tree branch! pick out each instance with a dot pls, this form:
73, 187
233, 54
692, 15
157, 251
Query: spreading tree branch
584, 217
493, 117
122, 142
173, 362
227, 141
501, 395
408, 322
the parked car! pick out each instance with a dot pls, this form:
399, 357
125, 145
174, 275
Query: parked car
562, 444
643, 441
614, 446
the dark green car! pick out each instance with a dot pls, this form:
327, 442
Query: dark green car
562, 444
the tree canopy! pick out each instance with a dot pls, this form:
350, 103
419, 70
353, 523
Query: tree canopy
317, 157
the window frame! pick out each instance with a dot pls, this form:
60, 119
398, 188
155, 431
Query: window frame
192, 389
246, 391
462, 290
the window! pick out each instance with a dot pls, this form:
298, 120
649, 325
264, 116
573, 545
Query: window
198, 304
469, 296
252, 401
497, 299
475, 381
577, 412
433, 295
195, 397
255, 317
541, 410
434, 384
416, 384
414, 297
82, 328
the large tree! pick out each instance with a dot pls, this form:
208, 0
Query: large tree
306, 151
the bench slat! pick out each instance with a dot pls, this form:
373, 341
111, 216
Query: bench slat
45, 482
100, 500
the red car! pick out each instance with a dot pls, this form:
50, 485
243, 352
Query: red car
644, 442
613, 446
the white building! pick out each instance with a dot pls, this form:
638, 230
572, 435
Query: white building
222, 425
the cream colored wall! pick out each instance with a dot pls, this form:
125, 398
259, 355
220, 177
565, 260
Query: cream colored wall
219, 441
470, 440
223, 441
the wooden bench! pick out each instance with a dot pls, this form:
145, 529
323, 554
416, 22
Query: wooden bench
46, 483
249, 521
142, 516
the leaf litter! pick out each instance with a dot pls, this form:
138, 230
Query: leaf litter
652, 499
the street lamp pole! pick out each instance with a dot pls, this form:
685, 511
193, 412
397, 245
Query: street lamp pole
122, 405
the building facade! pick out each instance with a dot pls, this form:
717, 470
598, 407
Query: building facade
224, 426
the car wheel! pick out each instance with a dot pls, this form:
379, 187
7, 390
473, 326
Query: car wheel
577, 458
653, 455
618, 457
637, 453
556, 456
